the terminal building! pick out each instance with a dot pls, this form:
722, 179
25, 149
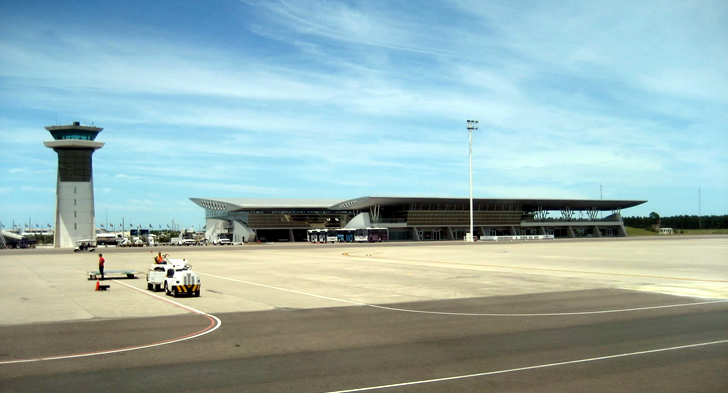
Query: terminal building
412, 218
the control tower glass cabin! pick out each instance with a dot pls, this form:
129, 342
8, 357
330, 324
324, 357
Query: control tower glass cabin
75, 144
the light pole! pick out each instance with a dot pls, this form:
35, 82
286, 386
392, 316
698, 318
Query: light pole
472, 126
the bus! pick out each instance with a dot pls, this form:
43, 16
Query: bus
345, 235
317, 235
371, 235
331, 236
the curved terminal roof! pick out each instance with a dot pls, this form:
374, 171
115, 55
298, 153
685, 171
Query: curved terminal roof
242, 204
526, 204
234, 204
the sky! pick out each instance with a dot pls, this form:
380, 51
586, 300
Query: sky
344, 99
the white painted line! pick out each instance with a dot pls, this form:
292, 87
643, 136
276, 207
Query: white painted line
213, 321
370, 257
682, 292
560, 314
166, 300
557, 314
282, 289
622, 355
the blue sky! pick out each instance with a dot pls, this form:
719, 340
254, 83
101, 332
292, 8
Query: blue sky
342, 99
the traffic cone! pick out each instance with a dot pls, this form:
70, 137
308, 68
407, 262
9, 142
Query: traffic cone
98, 285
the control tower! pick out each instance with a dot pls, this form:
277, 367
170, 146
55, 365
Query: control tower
75, 188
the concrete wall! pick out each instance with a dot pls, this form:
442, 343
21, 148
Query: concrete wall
74, 213
241, 233
360, 221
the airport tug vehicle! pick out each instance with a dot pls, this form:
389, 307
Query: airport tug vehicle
174, 276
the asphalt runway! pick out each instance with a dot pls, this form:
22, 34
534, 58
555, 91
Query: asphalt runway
421, 319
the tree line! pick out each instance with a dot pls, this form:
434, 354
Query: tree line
677, 222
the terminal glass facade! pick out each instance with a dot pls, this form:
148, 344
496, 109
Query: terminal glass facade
280, 219
452, 218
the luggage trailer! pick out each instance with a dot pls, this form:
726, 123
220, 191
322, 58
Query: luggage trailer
111, 274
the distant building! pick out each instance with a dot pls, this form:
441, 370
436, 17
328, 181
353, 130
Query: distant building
666, 231
74, 144
10, 239
412, 218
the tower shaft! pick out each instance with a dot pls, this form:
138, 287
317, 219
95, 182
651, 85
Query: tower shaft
75, 210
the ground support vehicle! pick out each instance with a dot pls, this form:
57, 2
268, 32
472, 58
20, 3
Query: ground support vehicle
152, 241
85, 245
175, 277
134, 242
157, 272
112, 274
187, 238
156, 275
181, 280
179, 241
223, 239
107, 238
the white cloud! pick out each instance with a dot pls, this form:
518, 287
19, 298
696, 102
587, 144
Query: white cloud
143, 65
343, 98
142, 202
342, 22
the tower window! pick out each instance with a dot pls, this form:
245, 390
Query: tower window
74, 164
